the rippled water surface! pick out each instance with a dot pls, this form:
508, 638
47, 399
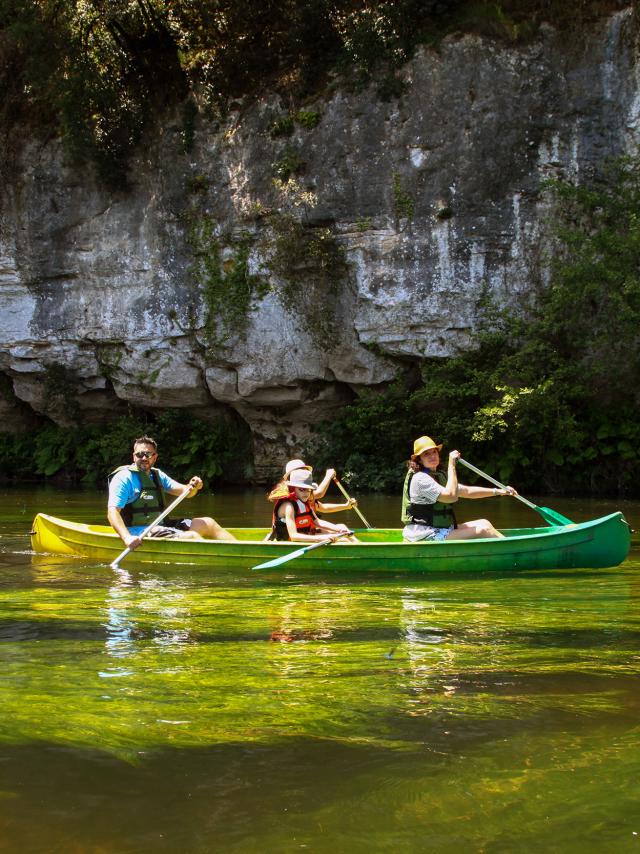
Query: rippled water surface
197, 710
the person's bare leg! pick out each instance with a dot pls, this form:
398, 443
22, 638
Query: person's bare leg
181, 535
474, 530
208, 528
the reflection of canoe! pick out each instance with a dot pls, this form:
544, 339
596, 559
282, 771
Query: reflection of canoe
598, 543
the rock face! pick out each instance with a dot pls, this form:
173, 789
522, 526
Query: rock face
390, 221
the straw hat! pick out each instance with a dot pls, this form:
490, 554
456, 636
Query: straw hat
424, 443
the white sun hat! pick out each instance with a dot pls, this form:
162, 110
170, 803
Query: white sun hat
293, 465
301, 479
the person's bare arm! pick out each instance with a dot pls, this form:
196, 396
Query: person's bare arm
322, 487
321, 507
195, 483
116, 521
332, 528
483, 491
295, 535
449, 494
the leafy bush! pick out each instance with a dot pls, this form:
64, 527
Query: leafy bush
186, 444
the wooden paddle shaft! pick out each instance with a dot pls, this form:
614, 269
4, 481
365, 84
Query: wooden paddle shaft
496, 483
344, 492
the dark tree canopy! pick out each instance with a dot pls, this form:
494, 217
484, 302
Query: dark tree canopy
100, 70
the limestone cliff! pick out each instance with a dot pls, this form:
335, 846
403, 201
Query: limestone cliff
210, 287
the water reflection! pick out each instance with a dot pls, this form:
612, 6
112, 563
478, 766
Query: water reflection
20, 630
121, 629
306, 618
145, 610
244, 712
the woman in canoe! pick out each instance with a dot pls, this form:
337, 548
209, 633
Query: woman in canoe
281, 489
429, 493
294, 517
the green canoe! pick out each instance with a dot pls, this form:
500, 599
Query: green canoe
598, 543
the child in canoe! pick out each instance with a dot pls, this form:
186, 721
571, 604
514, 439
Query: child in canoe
318, 493
294, 517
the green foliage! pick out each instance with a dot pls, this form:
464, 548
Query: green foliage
282, 127
548, 400
207, 449
520, 20
228, 287
311, 266
369, 440
496, 21
391, 86
289, 163
54, 451
285, 125
187, 446
375, 35
198, 184
364, 224
308, 118
444, 213
403, 202
100, 73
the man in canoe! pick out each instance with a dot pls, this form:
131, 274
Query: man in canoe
428, 494
294, 517
136, 497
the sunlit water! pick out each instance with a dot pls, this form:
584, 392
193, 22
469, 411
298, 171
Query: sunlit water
205, 710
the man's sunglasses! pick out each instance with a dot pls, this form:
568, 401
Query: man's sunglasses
144, 455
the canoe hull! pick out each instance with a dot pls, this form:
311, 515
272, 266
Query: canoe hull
598, 543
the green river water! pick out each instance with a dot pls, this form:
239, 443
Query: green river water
185, 709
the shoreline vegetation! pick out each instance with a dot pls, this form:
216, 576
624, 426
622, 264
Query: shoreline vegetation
547, 400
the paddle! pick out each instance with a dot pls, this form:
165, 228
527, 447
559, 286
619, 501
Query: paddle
278, 561
344, 492
164, 513
548, 515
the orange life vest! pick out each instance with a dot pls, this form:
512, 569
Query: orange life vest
305, 517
